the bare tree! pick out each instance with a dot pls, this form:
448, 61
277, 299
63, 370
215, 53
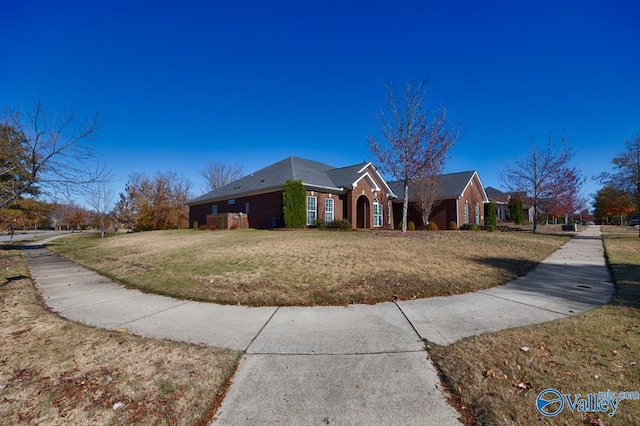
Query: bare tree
540, 172
429, 193
49, 152
414, 140
99, 196
217, 174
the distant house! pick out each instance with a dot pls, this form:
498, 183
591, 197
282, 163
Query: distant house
461, 200
357, 193
501, 200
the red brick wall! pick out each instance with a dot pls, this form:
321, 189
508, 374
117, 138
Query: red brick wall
265, 210
364, 188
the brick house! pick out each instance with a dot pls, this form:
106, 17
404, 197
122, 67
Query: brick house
357, 193
461, 200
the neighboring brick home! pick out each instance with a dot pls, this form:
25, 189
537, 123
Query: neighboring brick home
461, 200
357, 193
501, 200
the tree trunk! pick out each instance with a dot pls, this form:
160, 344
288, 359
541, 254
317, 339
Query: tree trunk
405, 207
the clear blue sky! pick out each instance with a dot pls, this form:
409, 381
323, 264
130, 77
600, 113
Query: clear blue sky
178, 84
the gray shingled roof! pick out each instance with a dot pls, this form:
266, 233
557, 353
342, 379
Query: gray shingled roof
271, 178
452, 186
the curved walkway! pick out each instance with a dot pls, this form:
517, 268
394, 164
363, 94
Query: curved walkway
357, 364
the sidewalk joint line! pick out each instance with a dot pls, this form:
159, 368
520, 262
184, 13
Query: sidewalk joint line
525, 304
156, 313
336, 353
411, 324
245, 351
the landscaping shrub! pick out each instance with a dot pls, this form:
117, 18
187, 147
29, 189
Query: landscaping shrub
195, 225
342, 225
294, 209
516, 214
399, 226
411, 226
489, 228
470, 227
432, 226
490, 215
453, 226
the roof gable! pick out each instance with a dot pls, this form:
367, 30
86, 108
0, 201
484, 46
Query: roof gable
452, 186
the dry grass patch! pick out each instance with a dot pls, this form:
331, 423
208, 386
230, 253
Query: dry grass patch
498, 381
55, 372
311, 267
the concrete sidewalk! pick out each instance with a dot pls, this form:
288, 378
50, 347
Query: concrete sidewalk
358, 364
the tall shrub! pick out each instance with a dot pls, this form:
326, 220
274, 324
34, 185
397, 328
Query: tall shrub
490, 215
294, 209
515, 210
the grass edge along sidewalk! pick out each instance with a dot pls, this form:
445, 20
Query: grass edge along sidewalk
497, 377
57, 372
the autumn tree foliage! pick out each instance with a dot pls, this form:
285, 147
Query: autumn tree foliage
563, 198
626, 174
611, 201
154, 203
544, 173
414, 141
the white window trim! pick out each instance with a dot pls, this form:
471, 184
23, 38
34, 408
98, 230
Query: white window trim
327, 202
314, 210
377, 213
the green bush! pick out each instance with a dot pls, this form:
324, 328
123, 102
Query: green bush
399, 226
294, 208
453, 226
490, 215
489, 228
470, 227
516, 214
338, 224
411, 226
195, 225
432, 226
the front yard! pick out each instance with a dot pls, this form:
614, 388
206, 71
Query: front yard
55, 372
311, 267
497, 376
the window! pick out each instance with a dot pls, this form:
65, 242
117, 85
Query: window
377, 213
466, 213
328, 210
214, 209
477, 215
312, 209
231, 202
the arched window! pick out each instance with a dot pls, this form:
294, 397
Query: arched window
377, 213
